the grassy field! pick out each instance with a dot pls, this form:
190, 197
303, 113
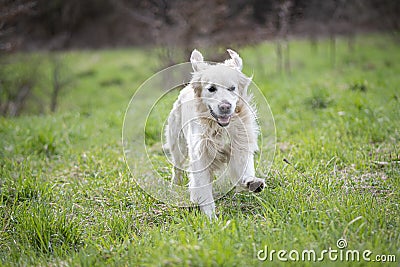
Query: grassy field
67, 197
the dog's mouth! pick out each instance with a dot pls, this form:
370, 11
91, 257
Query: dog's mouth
222, 120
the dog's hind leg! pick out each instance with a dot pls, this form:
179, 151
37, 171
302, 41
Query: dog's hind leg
177, 145
180, 154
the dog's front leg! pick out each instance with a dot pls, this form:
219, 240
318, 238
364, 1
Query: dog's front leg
200, 187
200, 184
241, 167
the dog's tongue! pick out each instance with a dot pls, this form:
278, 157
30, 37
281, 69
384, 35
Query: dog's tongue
224, 120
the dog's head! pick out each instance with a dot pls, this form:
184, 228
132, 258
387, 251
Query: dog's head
221, 88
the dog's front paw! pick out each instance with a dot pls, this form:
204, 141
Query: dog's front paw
209, 210
256, 185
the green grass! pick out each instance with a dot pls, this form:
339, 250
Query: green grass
67, 197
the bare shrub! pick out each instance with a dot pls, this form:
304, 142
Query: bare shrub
31, 83
18, 77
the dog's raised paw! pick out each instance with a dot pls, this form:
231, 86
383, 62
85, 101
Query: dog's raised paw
256, 186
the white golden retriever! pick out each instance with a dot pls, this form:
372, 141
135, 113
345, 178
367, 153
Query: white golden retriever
213, 125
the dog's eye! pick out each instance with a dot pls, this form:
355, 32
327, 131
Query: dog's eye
232, 88
212, 89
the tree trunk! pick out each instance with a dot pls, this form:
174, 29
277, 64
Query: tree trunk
333, 50
279, 59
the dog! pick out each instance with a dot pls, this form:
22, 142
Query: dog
214, 126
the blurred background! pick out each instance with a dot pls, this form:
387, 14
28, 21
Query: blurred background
76, 24
47, 48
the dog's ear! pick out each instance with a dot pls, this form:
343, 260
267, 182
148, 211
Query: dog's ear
197, 61
196, 83
197, 89
235, 61
244, 82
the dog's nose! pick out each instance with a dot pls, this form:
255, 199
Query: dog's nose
225, 107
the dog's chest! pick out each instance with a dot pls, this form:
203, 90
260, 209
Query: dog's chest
218, 143
222, 138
